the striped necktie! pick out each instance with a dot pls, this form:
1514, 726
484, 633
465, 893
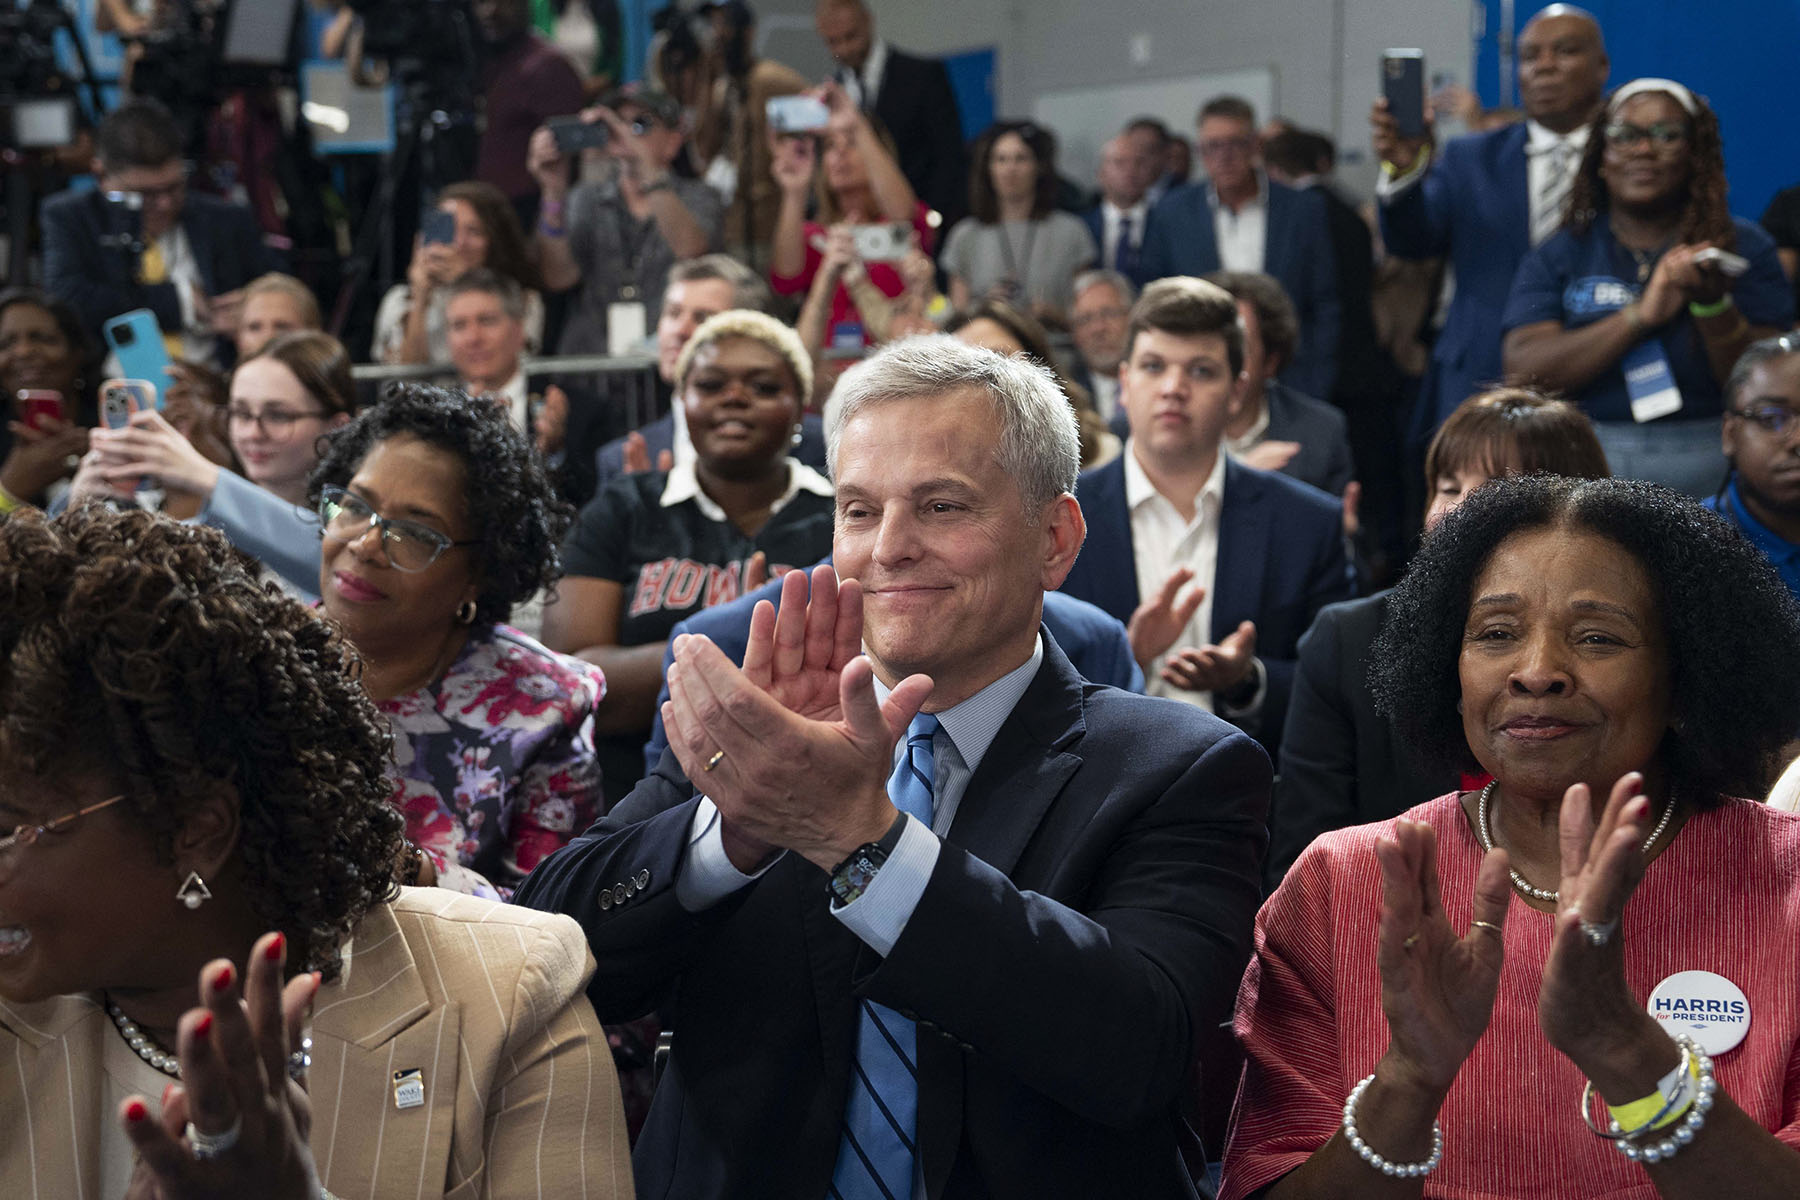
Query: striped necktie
875, 1159
1559, 177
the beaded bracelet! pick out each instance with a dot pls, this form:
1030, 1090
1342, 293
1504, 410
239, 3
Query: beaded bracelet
1683, 1133
1394, 1170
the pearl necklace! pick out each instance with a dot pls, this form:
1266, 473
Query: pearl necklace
147, 1049
1519, 882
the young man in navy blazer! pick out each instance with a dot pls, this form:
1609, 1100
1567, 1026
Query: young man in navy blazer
1486, 199
1216, 568
1044, 891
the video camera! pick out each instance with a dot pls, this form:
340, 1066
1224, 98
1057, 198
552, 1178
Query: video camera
194, 59
37, 98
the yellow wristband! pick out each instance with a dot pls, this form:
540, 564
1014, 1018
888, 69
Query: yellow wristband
8, 501
1665, 1100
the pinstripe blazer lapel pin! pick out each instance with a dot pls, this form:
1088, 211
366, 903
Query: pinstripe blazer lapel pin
409, 1088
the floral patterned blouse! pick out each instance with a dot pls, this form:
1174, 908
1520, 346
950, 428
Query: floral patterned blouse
495, 761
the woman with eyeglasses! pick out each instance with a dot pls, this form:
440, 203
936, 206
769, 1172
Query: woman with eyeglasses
193, 799
283, 400
438, 519
1016, 245
1637, 309
1761, 491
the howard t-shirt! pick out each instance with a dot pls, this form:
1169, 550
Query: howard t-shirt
1577, 280
673, 551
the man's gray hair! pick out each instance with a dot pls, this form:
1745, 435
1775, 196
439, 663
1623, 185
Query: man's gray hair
1112, 279
1039, 445
503, 288
747, 287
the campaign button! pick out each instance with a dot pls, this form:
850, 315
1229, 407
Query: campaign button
1703, 1006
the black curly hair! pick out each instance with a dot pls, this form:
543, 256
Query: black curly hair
1705, 215
519, 518
1731, 626
142, 649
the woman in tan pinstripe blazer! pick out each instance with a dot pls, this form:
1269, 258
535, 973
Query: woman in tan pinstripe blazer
186, 761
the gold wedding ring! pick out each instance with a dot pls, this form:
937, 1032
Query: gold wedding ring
1487, 925
1412, 939
717, 757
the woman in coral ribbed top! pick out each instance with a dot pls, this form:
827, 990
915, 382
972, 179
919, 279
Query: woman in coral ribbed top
1619, 665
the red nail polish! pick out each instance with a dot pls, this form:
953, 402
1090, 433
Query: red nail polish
273, 953
203, 1026
135, 1111
167, 1088
222, 980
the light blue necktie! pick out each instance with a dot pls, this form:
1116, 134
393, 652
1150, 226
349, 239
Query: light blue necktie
875, 1159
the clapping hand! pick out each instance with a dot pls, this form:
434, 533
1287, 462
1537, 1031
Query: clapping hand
793, 748
635, 455
235, 1091
1437, 989
1216, 667
1158, 621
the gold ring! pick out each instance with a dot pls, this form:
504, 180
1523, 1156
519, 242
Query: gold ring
1412, 939
715, 760
1487, 925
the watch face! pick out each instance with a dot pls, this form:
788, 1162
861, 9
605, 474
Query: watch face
852, 879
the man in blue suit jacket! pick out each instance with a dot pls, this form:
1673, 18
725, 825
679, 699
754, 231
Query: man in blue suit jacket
1262, 552
1183, 237
1487, 199
1094, 641
208, 249
1032, 856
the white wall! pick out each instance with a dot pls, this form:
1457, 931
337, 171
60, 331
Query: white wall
1324, 53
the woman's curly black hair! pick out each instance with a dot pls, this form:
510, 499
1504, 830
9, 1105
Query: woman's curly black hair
1731, 626
135, 648
518, 517
1705, 215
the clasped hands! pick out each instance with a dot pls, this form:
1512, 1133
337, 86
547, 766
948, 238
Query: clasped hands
1438, 988
793, 747
1157, 624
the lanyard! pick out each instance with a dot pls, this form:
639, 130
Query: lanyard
1018, 278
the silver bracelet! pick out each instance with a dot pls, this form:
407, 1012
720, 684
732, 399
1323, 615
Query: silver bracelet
1682, 1134
1363, 1150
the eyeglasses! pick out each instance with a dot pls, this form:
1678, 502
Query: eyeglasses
1096, 316
271, 422
1662, 136
409, 546
1216, 146
1776, 420
26, 835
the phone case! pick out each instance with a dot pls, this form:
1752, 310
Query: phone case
1403, 86
141, 352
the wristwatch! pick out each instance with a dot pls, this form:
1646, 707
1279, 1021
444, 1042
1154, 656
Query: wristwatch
852, 877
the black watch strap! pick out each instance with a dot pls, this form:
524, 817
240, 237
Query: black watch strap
851, 878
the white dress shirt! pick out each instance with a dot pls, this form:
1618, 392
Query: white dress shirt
1242, 235
1542, 148
512, 396
856, 84
1110, 216
684, 484
1163, 540
1241, 445
1105, 390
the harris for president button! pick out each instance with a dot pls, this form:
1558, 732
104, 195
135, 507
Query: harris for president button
1706, 1007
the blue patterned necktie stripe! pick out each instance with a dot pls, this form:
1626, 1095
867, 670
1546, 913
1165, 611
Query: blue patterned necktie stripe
875, 1159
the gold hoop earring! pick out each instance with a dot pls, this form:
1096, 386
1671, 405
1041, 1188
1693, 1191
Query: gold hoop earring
465, 613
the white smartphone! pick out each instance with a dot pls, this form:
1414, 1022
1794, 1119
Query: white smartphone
798, 114
1728, 263
888, 242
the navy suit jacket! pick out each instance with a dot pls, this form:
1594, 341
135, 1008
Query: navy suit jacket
1087, 920
99, 281
1323, 459
1281, 559
659, 435
1473, 208
1095, 643
1179, 240
918, 106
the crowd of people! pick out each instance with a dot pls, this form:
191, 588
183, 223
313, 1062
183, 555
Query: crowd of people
1183, 687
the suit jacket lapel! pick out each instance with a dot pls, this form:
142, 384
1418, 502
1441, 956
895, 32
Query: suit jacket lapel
375, 1021
1515, 190
1243, 550
1276, 241
1111, 570
51, 1093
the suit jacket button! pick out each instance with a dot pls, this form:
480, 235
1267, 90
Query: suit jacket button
631, 887
619, 893
643, 878
605, 900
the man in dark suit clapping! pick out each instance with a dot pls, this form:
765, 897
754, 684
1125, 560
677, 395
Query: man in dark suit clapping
913, 98
947, 919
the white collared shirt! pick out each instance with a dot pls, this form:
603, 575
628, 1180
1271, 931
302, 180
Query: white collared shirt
683, 484
512, 396
1105, 390
1110, 215
1163, 540
1241, 236
1540, 146
1241, 445
874, 67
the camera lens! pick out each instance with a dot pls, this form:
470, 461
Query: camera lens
124, 335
